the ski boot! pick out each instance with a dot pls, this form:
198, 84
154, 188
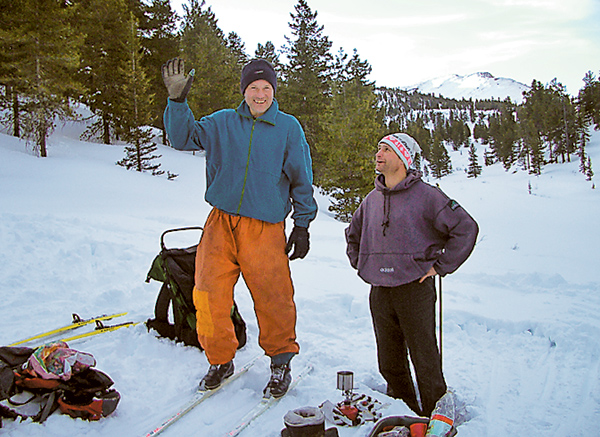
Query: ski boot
281, 377
216, 374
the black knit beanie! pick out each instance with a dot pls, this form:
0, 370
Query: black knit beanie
255, 70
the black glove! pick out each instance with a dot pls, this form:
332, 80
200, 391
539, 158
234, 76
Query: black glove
178, 85
299, 240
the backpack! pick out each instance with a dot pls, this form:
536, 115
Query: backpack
55, 377
175, 268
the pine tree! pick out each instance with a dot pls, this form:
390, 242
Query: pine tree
550, 113
474, 168
532, 150
481, 132
39, 65
589, 173
565, 136
537, 159
238, 48
205, 49
140, 151
104, 55
588, 101
307, 92
12, 47
423, 136
488, 157
160, 43
503, 135
268, 52
439, 161
456, 131
353, 126
585, 138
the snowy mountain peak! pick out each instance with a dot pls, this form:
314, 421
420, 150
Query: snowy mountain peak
485, 74
478, 86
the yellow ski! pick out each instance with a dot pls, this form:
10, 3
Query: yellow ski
100, 329
76, 323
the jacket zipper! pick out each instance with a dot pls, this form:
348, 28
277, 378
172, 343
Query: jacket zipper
247, 165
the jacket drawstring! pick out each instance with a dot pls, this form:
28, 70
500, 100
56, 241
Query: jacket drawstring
386, 212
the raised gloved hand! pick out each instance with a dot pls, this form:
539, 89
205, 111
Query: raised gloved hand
178, 85
299, 241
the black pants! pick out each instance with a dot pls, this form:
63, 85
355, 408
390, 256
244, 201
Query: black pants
404, 321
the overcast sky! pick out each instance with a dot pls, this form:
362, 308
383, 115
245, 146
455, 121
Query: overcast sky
411, 41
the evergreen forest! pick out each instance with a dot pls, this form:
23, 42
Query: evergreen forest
107, 55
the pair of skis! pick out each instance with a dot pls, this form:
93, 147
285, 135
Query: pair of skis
262, 406
77, 322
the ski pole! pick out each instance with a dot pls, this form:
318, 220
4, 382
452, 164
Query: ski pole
440, 322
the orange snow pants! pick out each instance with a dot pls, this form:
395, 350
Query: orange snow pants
231, 245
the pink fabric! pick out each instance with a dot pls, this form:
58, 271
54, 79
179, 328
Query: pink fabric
58, 361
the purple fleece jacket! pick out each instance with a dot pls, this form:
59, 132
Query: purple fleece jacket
396, 235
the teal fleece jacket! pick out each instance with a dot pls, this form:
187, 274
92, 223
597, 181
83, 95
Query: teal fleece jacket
256, 168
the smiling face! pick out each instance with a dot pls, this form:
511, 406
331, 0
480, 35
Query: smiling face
259, 97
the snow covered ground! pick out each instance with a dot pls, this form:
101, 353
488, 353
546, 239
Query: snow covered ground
521, 325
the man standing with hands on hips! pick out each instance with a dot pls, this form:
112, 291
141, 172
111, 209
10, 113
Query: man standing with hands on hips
258, 170
403, 234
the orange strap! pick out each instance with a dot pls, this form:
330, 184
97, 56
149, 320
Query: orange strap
442, 418
91, 411
28, 380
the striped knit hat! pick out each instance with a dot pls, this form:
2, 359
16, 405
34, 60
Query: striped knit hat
404, 145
